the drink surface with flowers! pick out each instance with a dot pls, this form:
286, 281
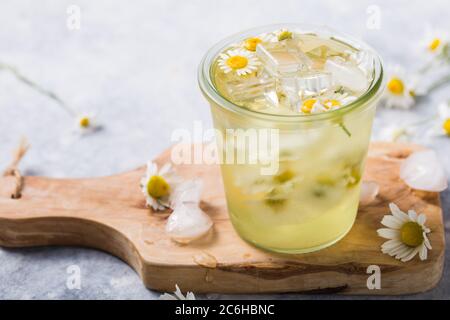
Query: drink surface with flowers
311, 202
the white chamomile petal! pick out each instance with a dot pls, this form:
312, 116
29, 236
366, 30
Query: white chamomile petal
392, 222
423, 253
411, 254
421, 219
426, 241
396, 212
412, 215
388, 233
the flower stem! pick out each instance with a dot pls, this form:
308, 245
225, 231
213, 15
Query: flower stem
342, 125
30, 83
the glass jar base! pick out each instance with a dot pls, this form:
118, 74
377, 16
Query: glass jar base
297, 251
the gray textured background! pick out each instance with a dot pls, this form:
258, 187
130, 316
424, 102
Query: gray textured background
135, 63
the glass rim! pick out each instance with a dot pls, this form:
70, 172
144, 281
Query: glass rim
210, 91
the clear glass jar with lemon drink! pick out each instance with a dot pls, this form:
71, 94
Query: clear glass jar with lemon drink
318, 90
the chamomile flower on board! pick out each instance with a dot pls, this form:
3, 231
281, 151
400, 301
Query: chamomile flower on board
398, 93
158, 185
406, 234
240, 61
441, 124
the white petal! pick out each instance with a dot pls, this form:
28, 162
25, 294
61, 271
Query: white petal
166, 168
400, 251
167, 296
412, 215
421, 219
444, 110
369, 191
388, 233
426, 242
391, 222
422, 170
411, 255
391, 245
178, 293
152, 169
396, 212
423, 252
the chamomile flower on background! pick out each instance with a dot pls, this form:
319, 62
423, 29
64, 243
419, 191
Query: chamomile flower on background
434, 42
396, 133
399, 92
406, 234
86, 122
158, 185
240, 61
441, 123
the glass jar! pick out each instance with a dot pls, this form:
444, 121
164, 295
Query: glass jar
311, 201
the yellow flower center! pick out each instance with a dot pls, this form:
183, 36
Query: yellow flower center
237, 62
84, 122
284, 176
434, 44
157, 187
308, 105
446, 126
284, 35
396, 86
251, 43
329, 103
411, 234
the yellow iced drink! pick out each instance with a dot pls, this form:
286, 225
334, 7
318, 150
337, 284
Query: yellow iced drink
319, 92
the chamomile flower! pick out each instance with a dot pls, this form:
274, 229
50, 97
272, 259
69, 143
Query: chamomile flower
407, 234
158, 185
399, 92
283, 34
240, 61
441, 123
325, 103
86, 123
396, 133
177, 295
251, 43
434, 41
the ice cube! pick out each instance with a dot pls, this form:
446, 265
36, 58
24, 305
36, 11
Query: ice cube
281, 59
346, 74
250, 88
257, 92
305, 85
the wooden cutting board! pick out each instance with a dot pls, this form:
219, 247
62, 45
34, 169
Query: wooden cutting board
108, 213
